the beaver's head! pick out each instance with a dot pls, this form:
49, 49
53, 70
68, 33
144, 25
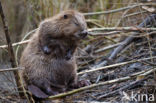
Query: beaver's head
65, 24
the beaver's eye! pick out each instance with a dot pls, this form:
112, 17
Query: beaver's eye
65, 16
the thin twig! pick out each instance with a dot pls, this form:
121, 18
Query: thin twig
15, 44
25, 36
10, 69
21, 42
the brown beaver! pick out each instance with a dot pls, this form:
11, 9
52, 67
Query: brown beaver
49, 61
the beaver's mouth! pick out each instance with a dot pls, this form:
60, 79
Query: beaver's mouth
81, 34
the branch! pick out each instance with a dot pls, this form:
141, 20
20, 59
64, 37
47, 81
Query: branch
115, 29
10, 49
117, 10
21, 42
99, 84
148, 22
129, 86
135, 29
10, 69
104, 34
106, 48
15, 44
114, 65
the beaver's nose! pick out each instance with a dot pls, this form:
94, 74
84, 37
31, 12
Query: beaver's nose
84, 33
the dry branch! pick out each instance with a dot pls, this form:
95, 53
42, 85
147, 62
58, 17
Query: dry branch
21, 42
115, 65
88, 87
15, 44
106, 48
148, 22
104, 34
115, 29
10, 69
10, 49
115, 92
135, 29
99, 84
117, 10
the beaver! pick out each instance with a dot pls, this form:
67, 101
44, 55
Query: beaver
49, 58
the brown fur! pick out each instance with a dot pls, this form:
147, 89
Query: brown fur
53, 73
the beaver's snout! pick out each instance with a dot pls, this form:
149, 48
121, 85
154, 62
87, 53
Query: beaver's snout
81, 34
84, 33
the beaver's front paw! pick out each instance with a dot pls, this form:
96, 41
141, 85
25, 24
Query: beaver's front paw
83, 83
46, 50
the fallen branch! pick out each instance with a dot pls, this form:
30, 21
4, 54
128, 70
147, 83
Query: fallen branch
97, 85
149, 21
134, 29
117, 10
129, 86
106, 48
115, 65
104, 34
133, 14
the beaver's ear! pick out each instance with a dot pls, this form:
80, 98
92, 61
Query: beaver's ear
37, 92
